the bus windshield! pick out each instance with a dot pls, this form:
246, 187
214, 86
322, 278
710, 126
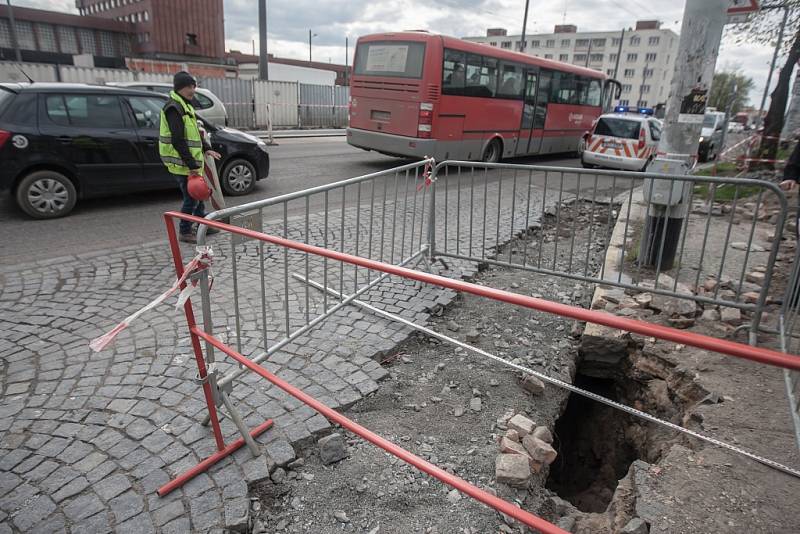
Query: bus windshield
401, 59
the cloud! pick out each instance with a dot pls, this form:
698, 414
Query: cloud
333, 20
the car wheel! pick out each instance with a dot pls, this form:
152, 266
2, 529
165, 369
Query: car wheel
46, 195
239, 177
492, 152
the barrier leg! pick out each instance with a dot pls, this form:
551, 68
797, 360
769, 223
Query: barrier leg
237, 419
206, 464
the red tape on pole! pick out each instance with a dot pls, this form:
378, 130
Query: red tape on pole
722, 346
451, 480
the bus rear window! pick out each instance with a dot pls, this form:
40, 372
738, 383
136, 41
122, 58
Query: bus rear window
402, 59
623, 128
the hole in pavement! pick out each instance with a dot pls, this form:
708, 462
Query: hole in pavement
596, 445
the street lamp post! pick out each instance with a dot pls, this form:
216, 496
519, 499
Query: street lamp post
14, 40
310, 35
524, 27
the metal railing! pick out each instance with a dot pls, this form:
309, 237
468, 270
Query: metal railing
383, 215
790, 336
216, 388
480, 206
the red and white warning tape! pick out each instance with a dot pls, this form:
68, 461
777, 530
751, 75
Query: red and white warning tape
201, 262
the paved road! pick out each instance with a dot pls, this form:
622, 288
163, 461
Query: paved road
114, 222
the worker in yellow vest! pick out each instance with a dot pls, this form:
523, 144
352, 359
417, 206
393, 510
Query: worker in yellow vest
182, 149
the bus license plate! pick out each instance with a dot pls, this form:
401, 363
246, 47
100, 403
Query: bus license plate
611, 144
382, 116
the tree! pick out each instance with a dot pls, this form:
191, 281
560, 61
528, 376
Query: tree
730, 89
764, 28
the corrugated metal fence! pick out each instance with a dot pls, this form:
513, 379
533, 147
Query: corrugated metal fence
323, 105
290, 104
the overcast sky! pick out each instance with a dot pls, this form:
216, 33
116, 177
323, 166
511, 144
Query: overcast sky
333, 20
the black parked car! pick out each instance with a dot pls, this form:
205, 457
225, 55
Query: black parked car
61, 142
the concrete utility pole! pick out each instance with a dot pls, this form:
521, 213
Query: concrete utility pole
524, 27
701, 34
619, 54
346, 60
14, 41
263, 58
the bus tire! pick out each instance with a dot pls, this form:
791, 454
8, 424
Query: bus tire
492, 152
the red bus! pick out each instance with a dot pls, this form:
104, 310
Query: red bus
419, 94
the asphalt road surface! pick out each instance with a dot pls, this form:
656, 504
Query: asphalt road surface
99, 224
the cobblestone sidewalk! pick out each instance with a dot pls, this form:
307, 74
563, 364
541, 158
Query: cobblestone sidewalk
88, 438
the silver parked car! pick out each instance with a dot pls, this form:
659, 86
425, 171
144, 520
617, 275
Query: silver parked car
208, 106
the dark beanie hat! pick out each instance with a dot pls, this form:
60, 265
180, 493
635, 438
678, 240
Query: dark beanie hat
183, 79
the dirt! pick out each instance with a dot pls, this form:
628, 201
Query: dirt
418, 407
612, 468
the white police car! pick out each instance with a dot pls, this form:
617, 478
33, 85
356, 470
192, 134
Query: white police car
626, 139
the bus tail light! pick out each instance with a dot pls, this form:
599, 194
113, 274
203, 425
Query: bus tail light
642, 138
424, 120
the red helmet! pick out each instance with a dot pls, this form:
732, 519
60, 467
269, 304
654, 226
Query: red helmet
198, 188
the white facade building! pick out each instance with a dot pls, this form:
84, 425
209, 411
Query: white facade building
642, 58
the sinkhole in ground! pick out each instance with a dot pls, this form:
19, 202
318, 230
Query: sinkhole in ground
596, 444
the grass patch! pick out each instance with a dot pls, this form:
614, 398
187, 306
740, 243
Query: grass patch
727, 192
723, 169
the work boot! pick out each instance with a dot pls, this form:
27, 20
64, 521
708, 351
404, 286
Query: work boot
188, 238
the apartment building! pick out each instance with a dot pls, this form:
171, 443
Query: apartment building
641, 58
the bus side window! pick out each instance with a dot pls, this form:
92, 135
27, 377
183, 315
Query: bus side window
595, 93
473, 85
489, 76
511, 83
453, 75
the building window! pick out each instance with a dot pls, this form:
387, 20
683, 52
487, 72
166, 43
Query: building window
626, 88
650, 57
550, 43
599, 43
612, 57
594, 58
581, 43
565, 43
629, 73
645, 89
615, 41
493, 43
86, 39
609, 72
653, 41
548, 56
563, 57
623, 102
505, 44
642, 104
534, 44
635, 40
124, 44
25, 35
648, 73
579, 58
47, 37
191, 39
632, 58
5, 34
107, 44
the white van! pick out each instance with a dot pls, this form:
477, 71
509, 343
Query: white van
208, 106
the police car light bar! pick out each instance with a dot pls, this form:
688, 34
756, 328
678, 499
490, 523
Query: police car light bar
628, 109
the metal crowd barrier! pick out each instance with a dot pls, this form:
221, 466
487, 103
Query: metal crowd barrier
214, 389
516, 198
790, 338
